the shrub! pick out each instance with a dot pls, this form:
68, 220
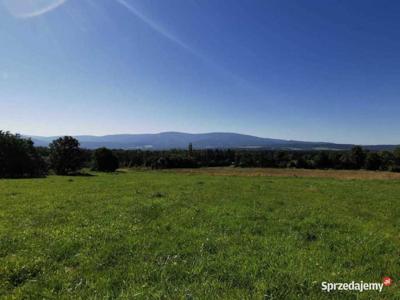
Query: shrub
104, 160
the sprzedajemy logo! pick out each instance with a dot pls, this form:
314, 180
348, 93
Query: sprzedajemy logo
356, 286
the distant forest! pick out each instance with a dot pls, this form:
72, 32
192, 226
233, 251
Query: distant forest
356, 158
20, 158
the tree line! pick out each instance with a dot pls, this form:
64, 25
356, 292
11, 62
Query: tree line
356, 158
64, 156
20, 159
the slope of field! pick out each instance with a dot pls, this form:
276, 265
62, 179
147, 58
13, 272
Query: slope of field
168, 235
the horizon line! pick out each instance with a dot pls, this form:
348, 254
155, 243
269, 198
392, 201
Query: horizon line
209, 132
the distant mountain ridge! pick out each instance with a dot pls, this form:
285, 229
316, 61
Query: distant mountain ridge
181, 140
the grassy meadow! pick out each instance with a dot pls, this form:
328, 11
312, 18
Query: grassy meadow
183, 235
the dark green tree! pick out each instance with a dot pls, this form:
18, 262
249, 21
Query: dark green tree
19, 158
334, 158
301, 163
104, 160
388, 160
396, 154
373, 161
66, 156
322, 160
357, 157
345, 161
190, 149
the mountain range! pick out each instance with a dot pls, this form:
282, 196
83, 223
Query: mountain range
180, 140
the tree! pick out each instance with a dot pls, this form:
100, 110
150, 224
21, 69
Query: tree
396, 154
65, 155
346, 161
357, 157
322, 160
19, 158
373, 161
334, 158
388, 160
281, 159
190, 149
395, 167
301, 163
104, 160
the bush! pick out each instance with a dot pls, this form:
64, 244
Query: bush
19, 158
104, 160
65, 155
373, 161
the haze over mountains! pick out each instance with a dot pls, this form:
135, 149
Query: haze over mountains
180, 140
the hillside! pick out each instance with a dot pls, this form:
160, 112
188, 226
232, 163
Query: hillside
180, 140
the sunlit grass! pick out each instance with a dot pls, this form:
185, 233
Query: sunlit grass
167, 235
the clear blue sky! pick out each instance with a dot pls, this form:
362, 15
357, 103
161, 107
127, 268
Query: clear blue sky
305, 70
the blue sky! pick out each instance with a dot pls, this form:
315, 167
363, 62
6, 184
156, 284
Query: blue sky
305, 70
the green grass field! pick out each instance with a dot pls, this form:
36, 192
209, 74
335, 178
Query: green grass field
168, 235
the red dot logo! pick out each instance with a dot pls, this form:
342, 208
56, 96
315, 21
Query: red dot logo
387, 281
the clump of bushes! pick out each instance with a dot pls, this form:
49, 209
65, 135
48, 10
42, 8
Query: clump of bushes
104, 160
